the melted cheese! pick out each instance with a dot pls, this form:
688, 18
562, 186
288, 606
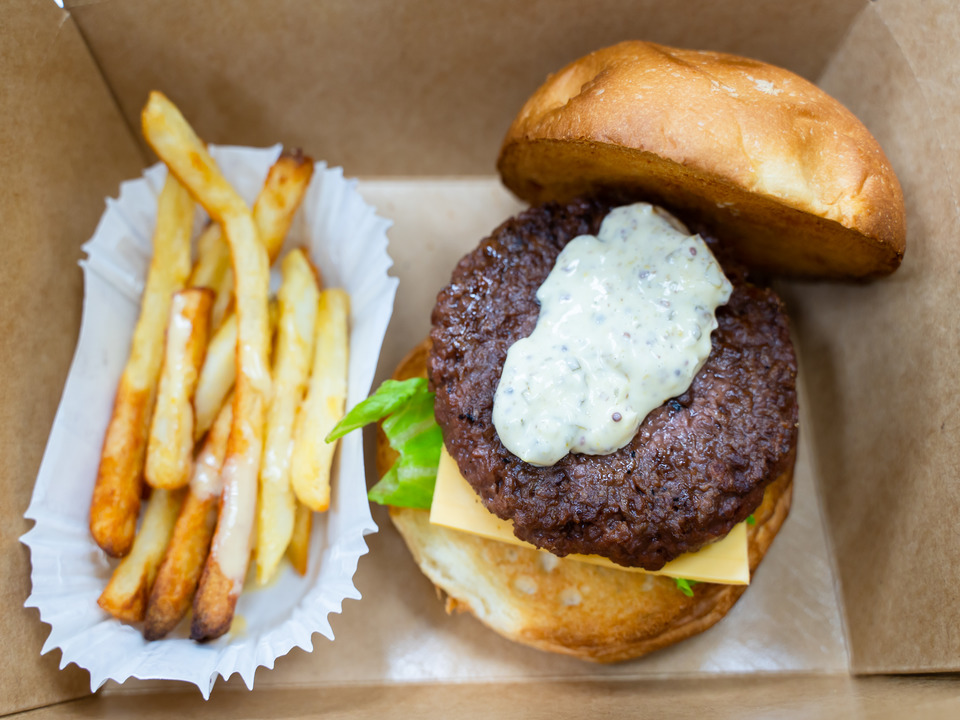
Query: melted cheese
457, 506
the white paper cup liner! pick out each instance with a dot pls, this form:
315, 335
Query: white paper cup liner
347, 241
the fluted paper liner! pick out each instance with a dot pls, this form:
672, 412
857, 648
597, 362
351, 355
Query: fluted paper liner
347, 241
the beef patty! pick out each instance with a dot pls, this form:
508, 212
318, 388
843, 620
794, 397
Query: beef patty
697, 465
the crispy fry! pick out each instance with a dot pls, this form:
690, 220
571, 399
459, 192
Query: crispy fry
213, 258
170, 448
273, 212
282, 193
223, 305
177, 145
125, 596
116, 496
220, 371
299, 549
324, 404
183, 562
214, 604
212, 270
217, 375
299, 297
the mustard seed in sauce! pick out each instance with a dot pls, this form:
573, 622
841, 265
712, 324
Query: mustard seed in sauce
625, 321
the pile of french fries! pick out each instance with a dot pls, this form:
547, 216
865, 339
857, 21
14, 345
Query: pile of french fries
222, 409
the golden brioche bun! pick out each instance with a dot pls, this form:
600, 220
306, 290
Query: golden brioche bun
565, 606
778, 168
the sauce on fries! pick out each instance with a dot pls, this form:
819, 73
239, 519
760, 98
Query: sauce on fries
210, 421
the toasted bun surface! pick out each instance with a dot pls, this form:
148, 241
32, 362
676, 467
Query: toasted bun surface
776, 166
565, 606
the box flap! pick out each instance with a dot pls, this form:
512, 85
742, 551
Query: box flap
740, 698
63, 147
387, 88
882, 359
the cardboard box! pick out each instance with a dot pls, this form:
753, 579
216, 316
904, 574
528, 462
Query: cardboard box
414, 99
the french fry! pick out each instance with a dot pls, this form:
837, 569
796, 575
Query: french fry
223, 305
220, 371
299, 549
213, 259
324, 404
125, 596
170, 447
116, 495
282, 193
188, 548
212, 270
175, 142
273, 212
217, 375
298, 298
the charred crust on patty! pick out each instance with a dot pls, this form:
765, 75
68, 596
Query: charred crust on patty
697, 466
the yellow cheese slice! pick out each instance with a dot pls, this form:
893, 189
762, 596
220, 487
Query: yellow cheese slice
457, 506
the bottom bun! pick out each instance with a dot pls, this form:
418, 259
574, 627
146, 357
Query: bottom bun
566, 606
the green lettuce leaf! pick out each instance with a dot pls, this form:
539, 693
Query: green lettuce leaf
412, 431
685, 586
389, 397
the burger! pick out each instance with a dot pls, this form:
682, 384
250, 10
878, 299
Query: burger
609, 379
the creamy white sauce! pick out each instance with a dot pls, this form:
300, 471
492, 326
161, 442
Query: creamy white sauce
234, 534
170, 446
178, 334
206, 482
625, 322
254, 364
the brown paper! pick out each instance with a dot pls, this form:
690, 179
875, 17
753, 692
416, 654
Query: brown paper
393, 88
823, 697
883, 377
63, 147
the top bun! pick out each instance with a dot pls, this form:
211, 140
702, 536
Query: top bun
782, 171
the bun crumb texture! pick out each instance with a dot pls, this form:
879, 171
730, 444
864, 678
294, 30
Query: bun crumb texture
565, 606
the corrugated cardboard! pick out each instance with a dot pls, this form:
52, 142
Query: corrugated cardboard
391, 89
